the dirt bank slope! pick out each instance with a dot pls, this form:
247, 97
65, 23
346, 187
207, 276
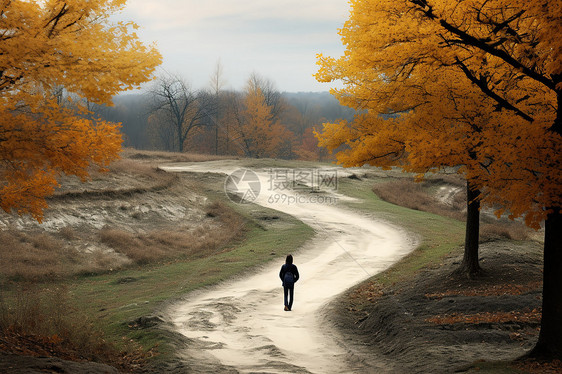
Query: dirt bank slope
440, 321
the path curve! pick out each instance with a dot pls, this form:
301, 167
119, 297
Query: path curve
240, 326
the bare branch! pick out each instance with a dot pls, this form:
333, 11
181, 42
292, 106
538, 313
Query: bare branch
483, 85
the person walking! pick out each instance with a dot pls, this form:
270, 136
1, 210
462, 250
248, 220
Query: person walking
289, 275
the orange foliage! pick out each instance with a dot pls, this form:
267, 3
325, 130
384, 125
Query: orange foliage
308, 150
259, 134
490, 290
533, 316
451, 83
539, 367
48, 48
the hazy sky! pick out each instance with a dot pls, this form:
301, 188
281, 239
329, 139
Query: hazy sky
278, 39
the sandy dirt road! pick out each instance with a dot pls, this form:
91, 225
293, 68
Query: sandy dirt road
241, 327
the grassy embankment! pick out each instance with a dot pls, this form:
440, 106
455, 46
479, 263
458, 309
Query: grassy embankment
438, 235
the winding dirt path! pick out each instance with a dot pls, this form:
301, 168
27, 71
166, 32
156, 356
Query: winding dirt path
241, 326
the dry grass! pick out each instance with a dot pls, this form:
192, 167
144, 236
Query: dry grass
124, 177
102, 260
24, 255
127, 165
139, 168
130, 166
40, 255
407, 193
135, 154
34, 325
504, 229
187, 242
68, 233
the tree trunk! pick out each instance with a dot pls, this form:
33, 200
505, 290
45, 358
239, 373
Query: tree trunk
180, 138
470, 264
549, 345
216, 138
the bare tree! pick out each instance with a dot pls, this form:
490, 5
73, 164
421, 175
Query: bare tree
233, 110
178, 109
160, 134
217, 83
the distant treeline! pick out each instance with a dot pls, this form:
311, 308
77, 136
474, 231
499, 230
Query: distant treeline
219, 123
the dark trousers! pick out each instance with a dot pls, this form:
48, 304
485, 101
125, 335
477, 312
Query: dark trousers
288, 296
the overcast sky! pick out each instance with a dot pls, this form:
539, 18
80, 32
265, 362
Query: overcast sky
278, 39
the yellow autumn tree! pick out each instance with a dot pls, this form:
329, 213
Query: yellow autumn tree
47, 47
415, 124
256, 130
474, 83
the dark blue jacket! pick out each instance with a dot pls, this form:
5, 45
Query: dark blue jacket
289, 268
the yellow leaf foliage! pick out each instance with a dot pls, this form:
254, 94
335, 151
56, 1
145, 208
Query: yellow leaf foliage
46, 46
259, 134
422, 75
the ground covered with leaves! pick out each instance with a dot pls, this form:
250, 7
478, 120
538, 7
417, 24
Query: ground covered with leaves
439, 320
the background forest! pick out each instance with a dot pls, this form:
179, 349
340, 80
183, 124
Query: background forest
259, 121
